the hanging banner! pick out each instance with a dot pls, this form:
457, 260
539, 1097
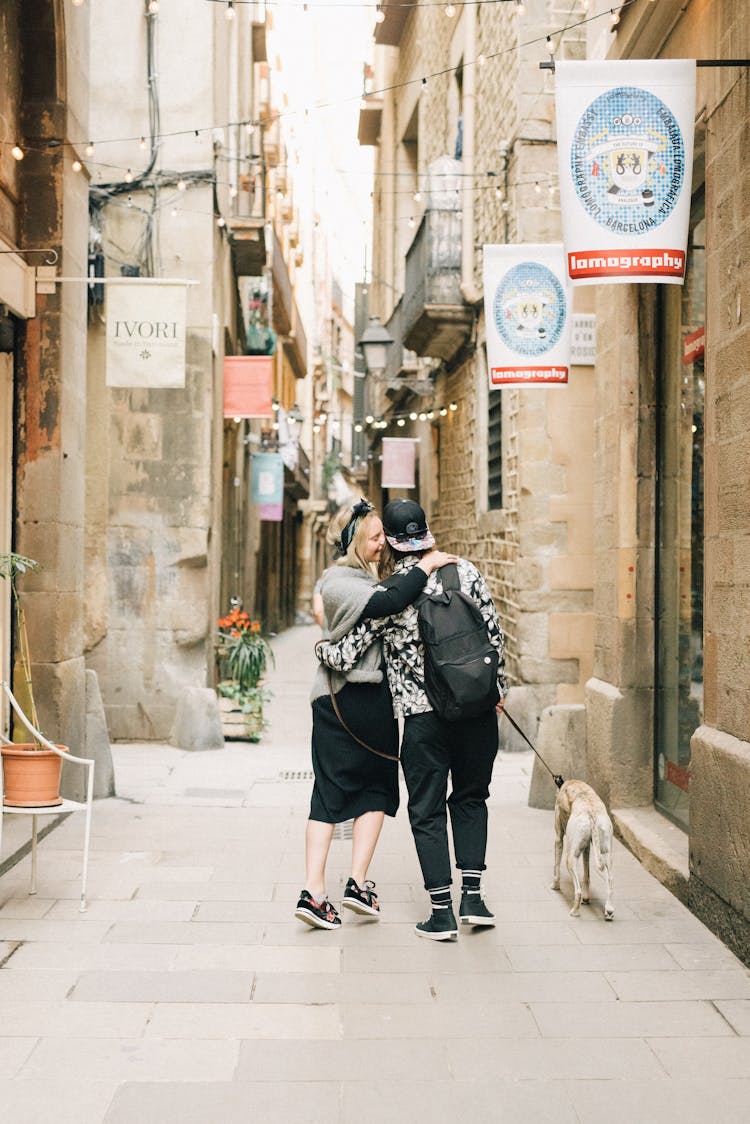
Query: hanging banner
399, 460
146, 334
268, 486
625, 150
248, 386
527, 315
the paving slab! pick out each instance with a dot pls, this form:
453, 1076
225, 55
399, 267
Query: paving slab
189, 992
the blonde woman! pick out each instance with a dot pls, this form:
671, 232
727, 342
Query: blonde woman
355, 736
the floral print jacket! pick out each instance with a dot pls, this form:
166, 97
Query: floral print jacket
404, 653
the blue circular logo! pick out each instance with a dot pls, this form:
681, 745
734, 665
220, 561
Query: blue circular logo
529, 309
627, 160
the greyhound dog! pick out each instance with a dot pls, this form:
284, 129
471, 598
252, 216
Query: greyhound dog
581, 821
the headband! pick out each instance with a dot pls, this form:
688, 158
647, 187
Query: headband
359, 509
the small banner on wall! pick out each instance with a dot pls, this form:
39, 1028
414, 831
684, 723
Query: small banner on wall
527, 315
268, 486
625, 150
248, 386
399, 459
146, 334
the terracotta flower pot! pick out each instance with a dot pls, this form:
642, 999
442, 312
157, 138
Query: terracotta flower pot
31, 777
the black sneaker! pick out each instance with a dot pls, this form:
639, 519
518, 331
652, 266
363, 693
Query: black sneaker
441, 926
320, 914
362, 900
473, 911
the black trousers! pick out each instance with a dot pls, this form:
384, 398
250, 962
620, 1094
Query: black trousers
433, 750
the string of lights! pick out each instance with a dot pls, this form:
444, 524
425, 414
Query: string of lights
87, 146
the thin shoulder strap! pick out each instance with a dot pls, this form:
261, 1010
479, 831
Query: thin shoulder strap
337, 712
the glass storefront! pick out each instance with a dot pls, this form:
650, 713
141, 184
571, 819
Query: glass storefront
679, 562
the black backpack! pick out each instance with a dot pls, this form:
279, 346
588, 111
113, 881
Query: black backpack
460, 663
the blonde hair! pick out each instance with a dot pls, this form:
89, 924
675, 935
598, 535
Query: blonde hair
355, 554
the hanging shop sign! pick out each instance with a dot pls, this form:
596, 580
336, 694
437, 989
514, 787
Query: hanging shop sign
146, 334
399, 461
268, 486
527, 315
248, 386
625, 151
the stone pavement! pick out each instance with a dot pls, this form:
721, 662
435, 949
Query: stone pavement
188, 993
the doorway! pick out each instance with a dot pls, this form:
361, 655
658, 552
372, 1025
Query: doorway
680, 527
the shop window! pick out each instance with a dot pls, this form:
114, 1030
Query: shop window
680, 527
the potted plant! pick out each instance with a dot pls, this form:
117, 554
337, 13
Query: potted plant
243, 655
31, 772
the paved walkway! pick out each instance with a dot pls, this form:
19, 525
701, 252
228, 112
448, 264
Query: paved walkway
188, 994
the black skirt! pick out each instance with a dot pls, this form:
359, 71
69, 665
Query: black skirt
349, 779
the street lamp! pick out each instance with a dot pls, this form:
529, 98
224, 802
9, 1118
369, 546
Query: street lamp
375, 342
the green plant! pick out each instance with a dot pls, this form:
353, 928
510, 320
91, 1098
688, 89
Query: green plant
244, 653
11, 566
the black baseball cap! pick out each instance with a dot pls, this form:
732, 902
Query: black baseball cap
405, 526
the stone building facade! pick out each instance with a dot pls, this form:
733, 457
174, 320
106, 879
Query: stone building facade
666, 708
44, 206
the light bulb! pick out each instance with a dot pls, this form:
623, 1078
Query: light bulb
128, 176
229, 14
450, 11
424, 85
412, 223
481, 60
90, 148
77, 3
369, 419
453, 406
423, 416
379, 14
16, 152
443, 411
401, 421
412, 416
538, 188
153, 7
76, 165
221, 221
142, 143
520, 7
181, 185
417, 196
358, 427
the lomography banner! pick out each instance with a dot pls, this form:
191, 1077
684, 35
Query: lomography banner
527, 311
625, 149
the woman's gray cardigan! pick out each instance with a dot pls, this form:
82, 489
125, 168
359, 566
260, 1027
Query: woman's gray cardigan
346, 591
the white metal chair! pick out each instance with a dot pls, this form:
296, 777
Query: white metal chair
58, 809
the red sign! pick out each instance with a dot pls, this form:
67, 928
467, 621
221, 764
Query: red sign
531, 376
615, 263
678, 775
694, 346
248, 386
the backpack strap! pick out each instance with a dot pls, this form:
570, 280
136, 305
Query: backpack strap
449, 579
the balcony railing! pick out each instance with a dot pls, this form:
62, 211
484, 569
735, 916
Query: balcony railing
435, 319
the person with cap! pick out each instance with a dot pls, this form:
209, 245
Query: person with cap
434, 749
354, 732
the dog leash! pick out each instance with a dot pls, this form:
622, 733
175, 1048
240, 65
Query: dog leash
559, 780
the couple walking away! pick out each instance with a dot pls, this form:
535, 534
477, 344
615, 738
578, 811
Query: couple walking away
375, 669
